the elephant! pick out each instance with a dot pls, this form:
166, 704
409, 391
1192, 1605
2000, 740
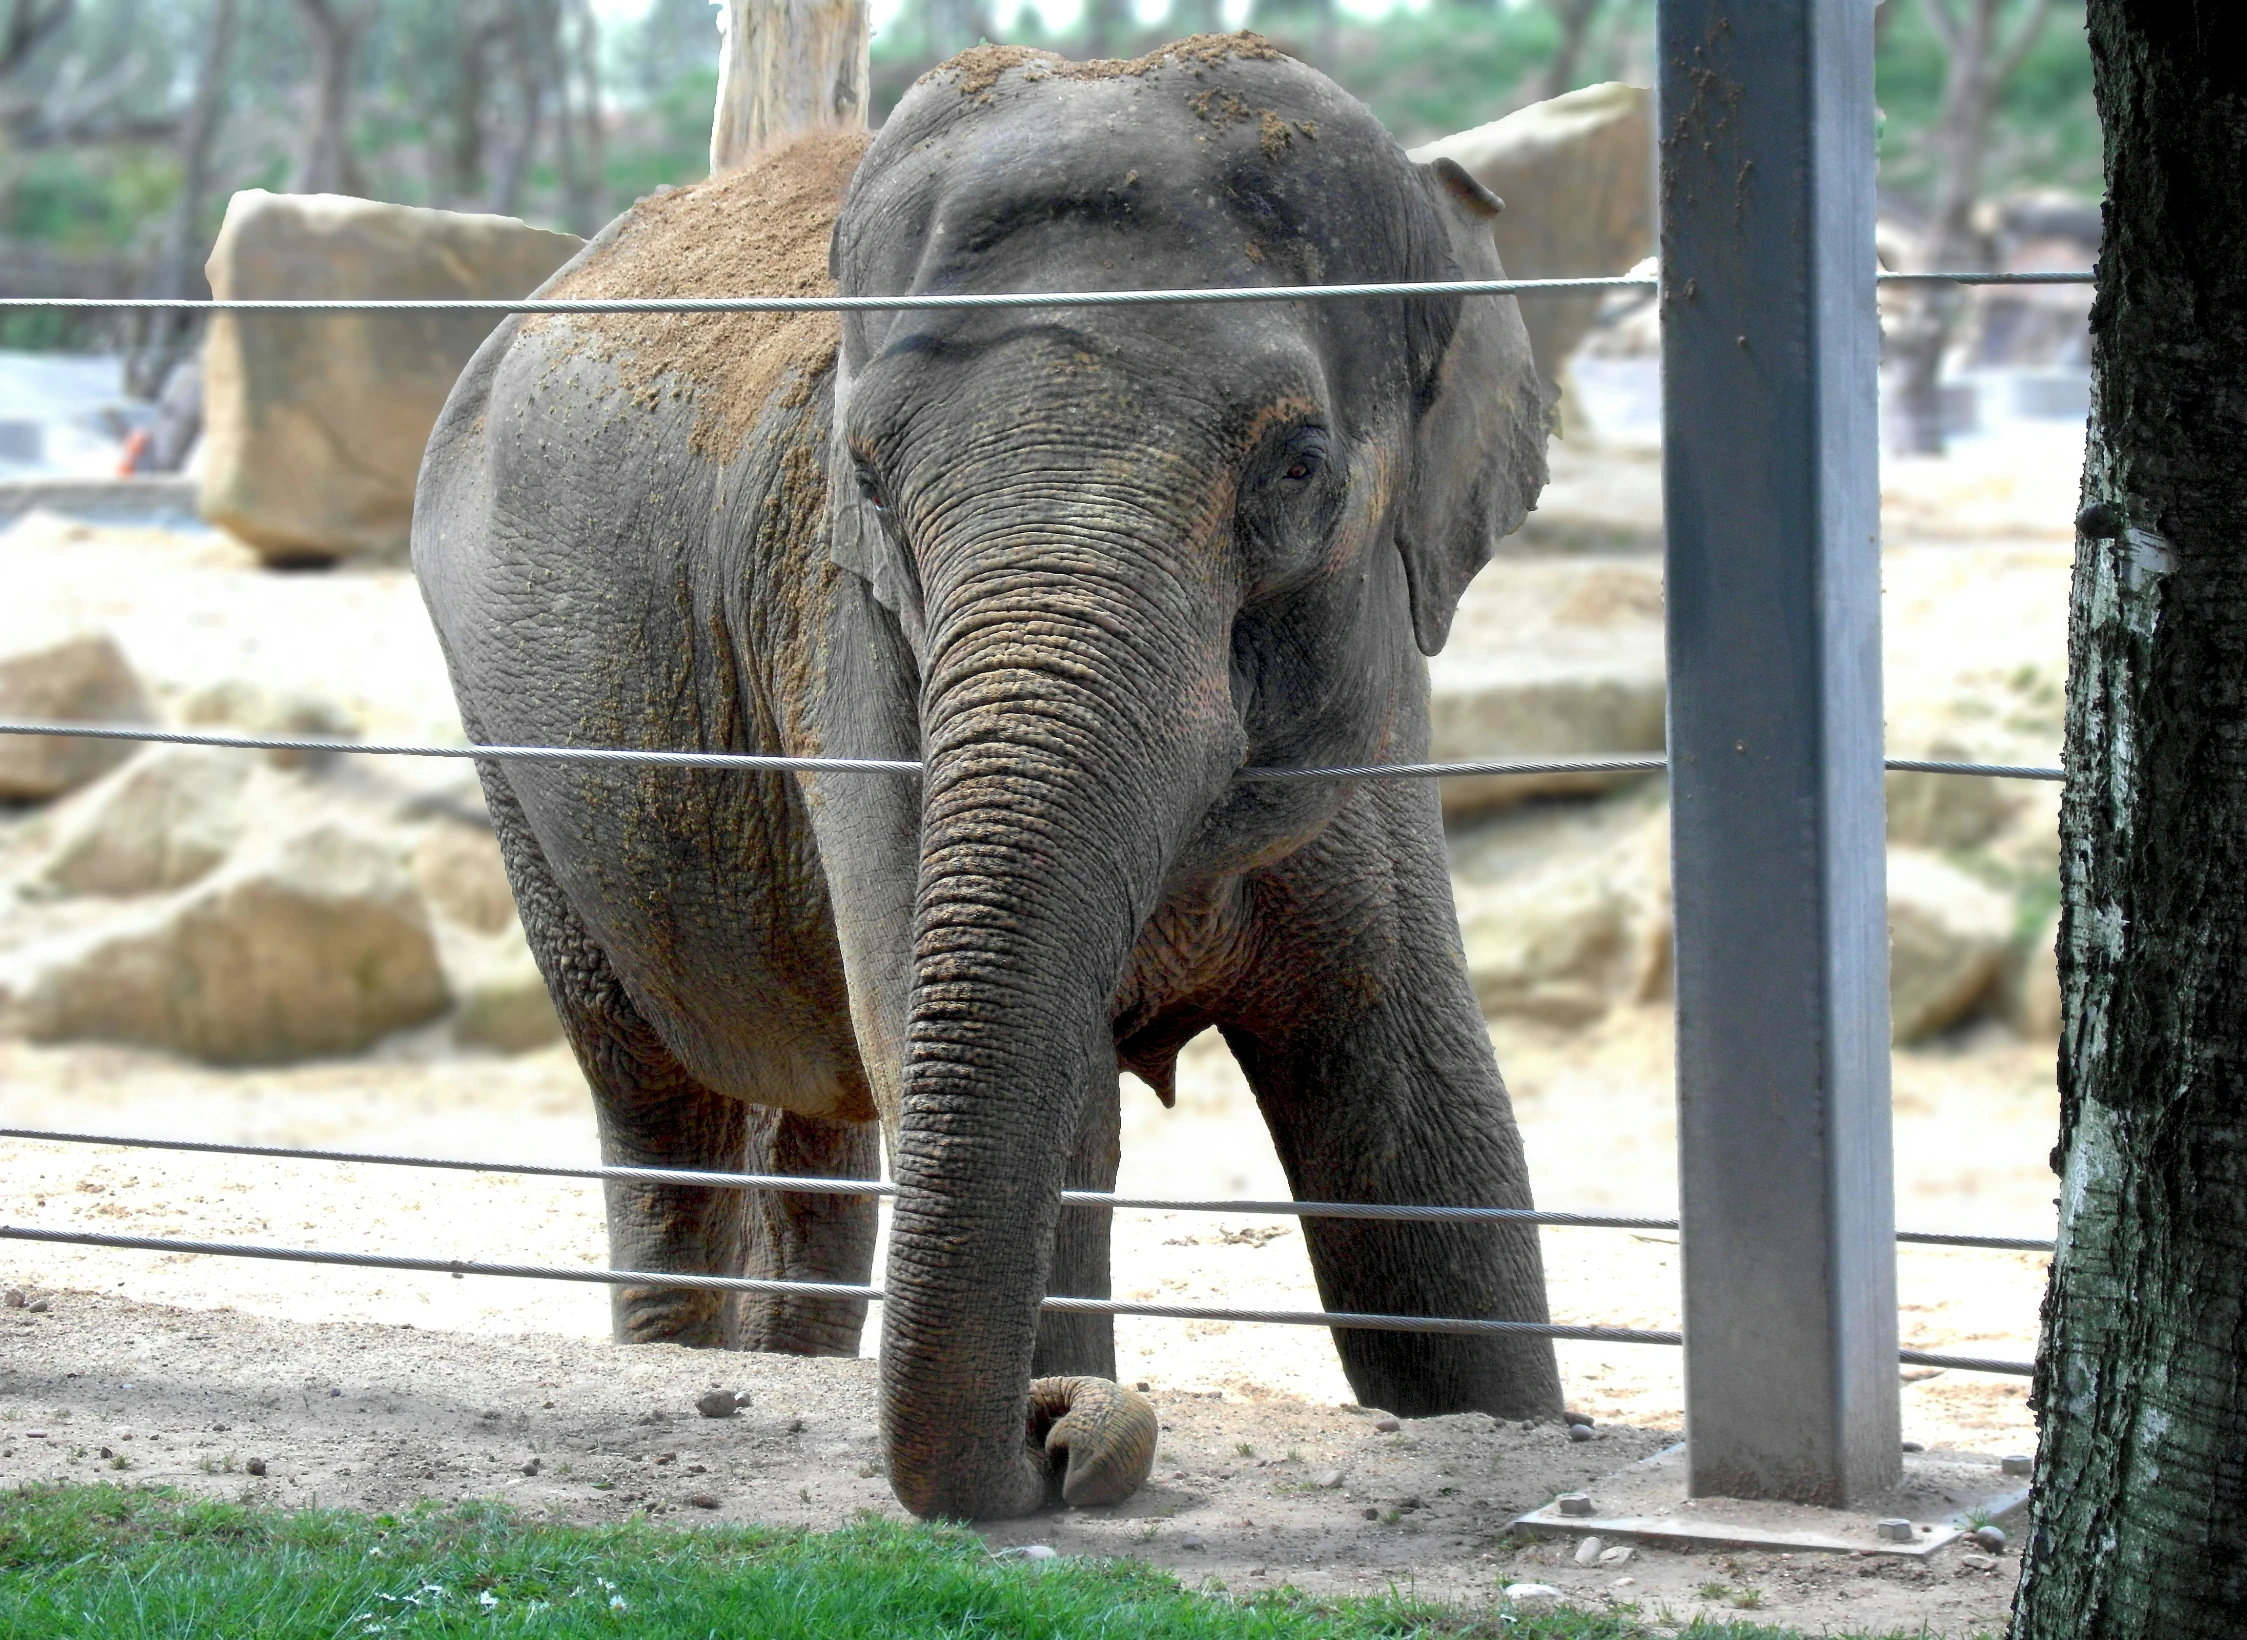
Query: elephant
1084, 565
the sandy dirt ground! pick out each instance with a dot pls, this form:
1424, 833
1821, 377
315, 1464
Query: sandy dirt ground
421, 1359
1244, 1495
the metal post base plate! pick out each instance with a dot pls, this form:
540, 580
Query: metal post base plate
1945, 1495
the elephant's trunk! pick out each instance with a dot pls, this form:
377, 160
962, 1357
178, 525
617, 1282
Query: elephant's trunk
1077, 721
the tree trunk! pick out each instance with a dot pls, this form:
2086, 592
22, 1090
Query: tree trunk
326, 165
587, 60
2139, 1528
1104, 24
1981, 61
1575, 25
169, 333
472, 78
530, 43
568, 161
786, 66
1199, 16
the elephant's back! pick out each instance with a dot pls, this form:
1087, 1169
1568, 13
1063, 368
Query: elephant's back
760, 230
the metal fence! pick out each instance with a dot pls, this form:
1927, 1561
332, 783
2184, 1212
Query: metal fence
760, 762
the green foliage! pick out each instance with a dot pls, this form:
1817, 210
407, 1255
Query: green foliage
127, 1564
2044, 132
1444, 66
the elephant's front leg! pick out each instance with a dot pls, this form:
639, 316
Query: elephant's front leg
1372, 1066
1072, 1346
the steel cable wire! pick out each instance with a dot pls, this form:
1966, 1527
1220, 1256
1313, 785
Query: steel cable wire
1647, 763
1026, 299
1350, 1320
802, 1186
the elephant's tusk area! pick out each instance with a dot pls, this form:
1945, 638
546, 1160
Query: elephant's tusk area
1099, 1437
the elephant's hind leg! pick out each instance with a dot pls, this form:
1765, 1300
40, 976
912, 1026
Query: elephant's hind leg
808, 1237
653, 1113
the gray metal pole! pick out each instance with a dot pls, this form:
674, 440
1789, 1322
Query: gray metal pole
1769, 348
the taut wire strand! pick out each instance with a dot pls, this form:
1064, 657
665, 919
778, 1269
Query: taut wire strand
892, 304
1647, 763
1348, 1319
795, 1185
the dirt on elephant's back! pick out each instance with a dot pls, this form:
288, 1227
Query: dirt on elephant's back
761, 230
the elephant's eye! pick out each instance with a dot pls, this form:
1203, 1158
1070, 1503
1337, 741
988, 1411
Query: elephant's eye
871, 488
1302, 458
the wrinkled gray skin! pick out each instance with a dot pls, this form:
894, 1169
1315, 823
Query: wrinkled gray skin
1088, 562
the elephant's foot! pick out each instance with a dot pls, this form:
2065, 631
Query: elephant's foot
793, 1324
1097, 1436
696, 1318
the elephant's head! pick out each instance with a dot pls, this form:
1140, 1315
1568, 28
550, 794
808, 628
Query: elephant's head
1133, 550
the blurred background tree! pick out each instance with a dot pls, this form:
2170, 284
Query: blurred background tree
126, 124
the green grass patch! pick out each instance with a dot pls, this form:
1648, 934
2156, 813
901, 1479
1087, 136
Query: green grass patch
124, 1564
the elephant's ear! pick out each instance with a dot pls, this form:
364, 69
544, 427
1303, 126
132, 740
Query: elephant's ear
1478, 449
860, 542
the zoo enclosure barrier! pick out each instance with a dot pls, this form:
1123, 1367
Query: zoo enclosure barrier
761, 762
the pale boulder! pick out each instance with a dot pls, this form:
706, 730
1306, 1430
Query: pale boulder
315, 423
82, 678
1947, 933
1577, 175
2032, 983
1548, 658
159, 823
503, 1001
275, 713
1582, 928
317, 944
1948, 811
460, 873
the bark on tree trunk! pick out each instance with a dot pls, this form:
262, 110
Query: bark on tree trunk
786, 66
2140, 1516
327, 165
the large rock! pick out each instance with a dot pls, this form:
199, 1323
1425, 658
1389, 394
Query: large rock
2031, 991
1548, 658
1577, 175
1566, 914
280, 714
1581, 923
314, 423
504, 1003
461, 875
316, 945
1947, 940
159, 823
84, 678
